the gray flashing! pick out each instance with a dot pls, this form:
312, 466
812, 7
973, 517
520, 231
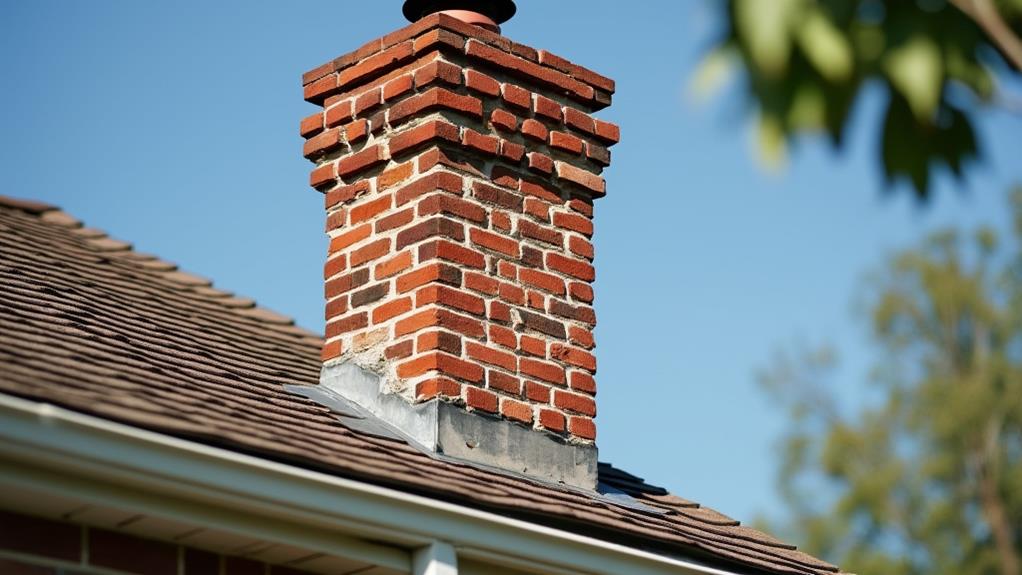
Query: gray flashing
443, 428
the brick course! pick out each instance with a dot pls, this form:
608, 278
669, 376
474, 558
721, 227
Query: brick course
461, 168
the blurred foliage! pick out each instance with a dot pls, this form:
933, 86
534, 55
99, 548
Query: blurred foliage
926, 478
806, 62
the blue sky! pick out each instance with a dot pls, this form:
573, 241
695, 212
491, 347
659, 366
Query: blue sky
174, 125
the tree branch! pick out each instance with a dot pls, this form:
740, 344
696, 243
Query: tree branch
985, 14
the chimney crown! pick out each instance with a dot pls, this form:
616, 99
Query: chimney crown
459, 170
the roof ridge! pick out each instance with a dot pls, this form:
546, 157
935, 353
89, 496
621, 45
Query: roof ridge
101, 241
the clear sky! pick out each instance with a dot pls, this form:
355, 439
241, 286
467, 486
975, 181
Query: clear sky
174, 125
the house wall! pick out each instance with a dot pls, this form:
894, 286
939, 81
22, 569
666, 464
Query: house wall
36, 546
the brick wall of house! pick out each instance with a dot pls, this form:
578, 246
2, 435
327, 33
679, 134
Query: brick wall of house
37, 546
459, 171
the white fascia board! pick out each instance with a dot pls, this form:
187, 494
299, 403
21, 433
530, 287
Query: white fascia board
228, 489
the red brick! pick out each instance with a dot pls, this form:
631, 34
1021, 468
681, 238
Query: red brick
581, 337
317, 73
436, 317
581, 291
370, 252
391, 310
481, 399
451, 252
316, 91
450, 297
437, 386
503, 382
443, 181
497, 196
500, 311
584, 207
492, 356
531, 256
443, 203
419, 135
582, 313
336, 307
511, 151
481, 83
505, 176
507, 270
356, 131
504, 120
517, 96
368, 101
577, 269
579, 120
597, 153
532, 346
369, 295
574, 222
535, 130
400, 350
547, 108
430, 273
537, 232
566, 142
360, 161
573, 356
582, 427
375, 64
540, 190
543, 324
537, 301
503, 336
345, 194
542, 370
576, 71
442, 363
371, 209
350, 237
346, 283
438, 71
578, 176
435, 98
397, 87
516, 410
582, 404
325, 174
512, 294
500, 220
395, 175
540, 210
435, 227
481, 143
610, 133
495, 242
395, 220
520, 66
311, 125
339, 114
580, 247
336, 219
581, 381
438, 340
537, 392
437, 39
481, 283
540, 163
552, 420
324, 142
393, 266
542, 280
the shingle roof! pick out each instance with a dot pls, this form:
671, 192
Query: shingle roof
91, 325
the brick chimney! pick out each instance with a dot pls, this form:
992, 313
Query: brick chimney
459, 170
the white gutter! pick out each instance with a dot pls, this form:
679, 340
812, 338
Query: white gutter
127, 467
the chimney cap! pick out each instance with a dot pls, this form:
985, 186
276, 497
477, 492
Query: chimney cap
499, 11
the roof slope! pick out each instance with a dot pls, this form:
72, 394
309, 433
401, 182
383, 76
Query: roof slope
88, 324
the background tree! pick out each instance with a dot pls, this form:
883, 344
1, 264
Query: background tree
927, 479
806, 62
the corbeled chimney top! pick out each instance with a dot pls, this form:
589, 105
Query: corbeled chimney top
489, 14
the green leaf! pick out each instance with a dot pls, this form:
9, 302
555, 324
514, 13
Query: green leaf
772, 145
826, 47
916, 70
713, 73
766, 28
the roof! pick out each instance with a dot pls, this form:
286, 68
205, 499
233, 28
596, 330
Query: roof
88, 324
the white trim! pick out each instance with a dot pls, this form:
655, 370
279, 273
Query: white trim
139, 469
437, 558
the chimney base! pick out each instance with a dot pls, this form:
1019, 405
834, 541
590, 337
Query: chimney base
445, 429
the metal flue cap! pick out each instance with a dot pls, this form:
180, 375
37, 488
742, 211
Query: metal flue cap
499, 11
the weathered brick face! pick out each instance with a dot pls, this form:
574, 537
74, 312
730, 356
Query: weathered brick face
459, 171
